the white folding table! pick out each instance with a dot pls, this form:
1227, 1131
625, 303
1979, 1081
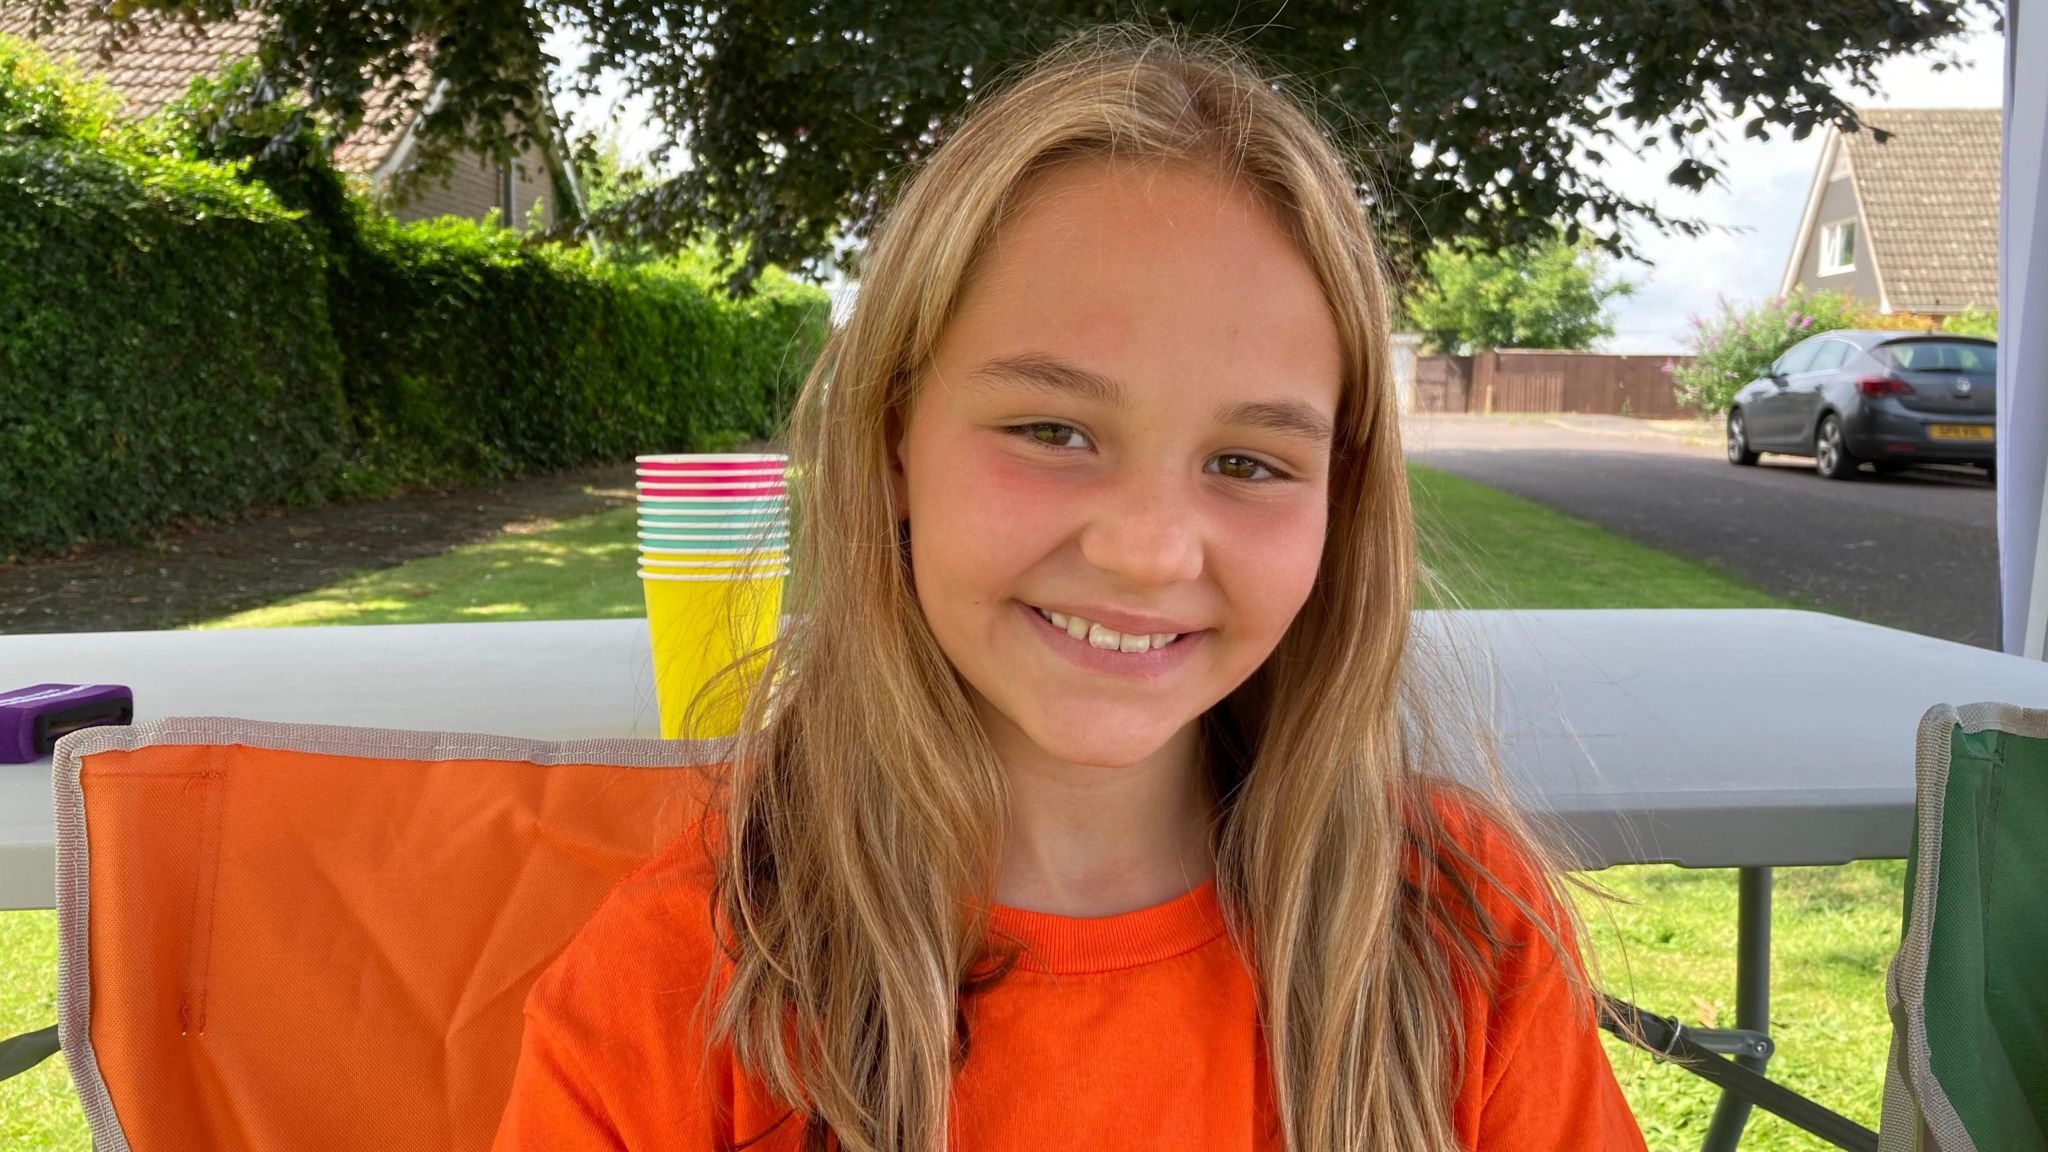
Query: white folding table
1714, 738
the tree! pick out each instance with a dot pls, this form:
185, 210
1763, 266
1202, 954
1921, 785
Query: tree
1547, 295
1483, 118
228, 117
608, 178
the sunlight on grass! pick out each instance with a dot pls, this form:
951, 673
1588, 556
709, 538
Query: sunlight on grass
1671, 949
508, 611
576, 570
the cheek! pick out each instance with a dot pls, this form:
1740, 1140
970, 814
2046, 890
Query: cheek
979, 519
1266, 560
987, 492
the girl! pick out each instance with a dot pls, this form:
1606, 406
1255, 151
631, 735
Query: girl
1098, 806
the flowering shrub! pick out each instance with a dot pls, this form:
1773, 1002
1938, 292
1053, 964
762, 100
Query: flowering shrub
1739, 345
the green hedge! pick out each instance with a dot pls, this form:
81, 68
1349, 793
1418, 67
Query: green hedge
472, 356
175, 344
164, 349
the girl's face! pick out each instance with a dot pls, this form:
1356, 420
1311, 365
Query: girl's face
1124, 435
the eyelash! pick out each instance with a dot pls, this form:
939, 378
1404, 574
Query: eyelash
1024, 432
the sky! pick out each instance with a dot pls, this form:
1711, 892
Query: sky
1758, 201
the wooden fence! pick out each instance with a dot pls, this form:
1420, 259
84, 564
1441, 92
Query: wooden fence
1533, 380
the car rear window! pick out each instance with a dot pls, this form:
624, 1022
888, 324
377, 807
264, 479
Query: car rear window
1941, 356
1830, 356
1797, 359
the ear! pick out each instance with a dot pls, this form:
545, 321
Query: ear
899, 482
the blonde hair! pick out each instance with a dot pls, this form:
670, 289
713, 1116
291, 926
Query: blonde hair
863, 805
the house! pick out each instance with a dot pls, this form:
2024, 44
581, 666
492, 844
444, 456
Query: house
158, 62
1903, 214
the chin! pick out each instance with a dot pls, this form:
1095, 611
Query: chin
1115, 749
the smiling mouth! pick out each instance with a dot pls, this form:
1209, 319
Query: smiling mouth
1108, 639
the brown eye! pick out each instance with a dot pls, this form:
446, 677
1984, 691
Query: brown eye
1242, 468
1050, 435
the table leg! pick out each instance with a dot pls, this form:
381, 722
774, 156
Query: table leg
1752, 997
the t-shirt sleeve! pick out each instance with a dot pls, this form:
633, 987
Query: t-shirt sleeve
1538, 1078
613, 1054
1550, 1086
554, 1105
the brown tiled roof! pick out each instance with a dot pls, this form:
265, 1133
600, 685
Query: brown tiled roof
155, 64
384, 122
1930, 204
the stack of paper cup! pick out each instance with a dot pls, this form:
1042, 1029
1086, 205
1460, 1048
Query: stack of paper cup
714, 550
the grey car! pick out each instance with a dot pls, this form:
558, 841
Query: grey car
1887, 399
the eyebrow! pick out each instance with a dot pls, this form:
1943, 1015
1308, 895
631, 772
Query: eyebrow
1053, 376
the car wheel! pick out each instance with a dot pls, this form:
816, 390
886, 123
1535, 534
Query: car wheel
1738, 440
1991, 473
1830, 456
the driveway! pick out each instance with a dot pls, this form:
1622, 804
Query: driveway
1916, 550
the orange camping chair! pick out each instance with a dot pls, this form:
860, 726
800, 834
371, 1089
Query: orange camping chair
281, 936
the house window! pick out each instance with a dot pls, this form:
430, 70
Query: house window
1838, 247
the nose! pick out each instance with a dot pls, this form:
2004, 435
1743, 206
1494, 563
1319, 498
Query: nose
1146, 529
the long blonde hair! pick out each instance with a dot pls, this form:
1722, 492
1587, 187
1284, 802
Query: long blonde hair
863, 805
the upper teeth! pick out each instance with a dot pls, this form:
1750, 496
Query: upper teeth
1100, 637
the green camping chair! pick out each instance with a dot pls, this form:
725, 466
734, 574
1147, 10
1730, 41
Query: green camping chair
1968, 991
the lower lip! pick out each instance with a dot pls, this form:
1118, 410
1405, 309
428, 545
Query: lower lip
1146, 665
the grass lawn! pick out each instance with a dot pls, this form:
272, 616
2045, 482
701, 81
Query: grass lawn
1833, 932
1670, 946
1493, 550
575, 570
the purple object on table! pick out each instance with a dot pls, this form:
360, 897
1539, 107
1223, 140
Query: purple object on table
32, 718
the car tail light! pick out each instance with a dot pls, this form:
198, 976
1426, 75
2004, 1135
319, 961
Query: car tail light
1883, 386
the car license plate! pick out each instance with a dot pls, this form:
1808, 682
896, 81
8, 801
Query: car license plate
1959, 431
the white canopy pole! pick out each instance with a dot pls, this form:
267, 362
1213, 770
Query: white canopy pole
2023, 336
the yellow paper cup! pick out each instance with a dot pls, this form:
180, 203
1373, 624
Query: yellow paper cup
699, 624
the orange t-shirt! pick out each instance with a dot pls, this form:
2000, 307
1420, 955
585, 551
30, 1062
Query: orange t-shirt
1135, 1031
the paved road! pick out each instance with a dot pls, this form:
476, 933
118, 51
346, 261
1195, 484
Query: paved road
1917, 550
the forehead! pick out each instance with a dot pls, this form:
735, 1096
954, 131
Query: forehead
1160, 276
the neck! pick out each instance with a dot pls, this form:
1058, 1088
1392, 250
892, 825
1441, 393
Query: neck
1085, 840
